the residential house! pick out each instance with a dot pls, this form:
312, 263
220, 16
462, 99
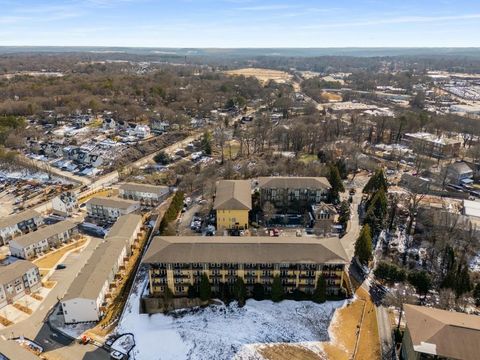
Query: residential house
179, 261
17, 224
159, 126
89, 293
65, 204
38, 242
109, 124
149, 195
439, 334
293, 194
18, 279
233, 201
459, 173
142, 131
109, 209
432, 145
324, 218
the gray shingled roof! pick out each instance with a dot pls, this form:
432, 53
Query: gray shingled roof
113, 202
13, 351
233, 195
19, 217
44, 233
154, 189
14, 270
92, 277
255, 249
286, 182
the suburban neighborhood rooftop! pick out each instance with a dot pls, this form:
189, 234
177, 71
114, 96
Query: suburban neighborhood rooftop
111, 202
233, 195
285, 182
258, 249
44, 233
443, 333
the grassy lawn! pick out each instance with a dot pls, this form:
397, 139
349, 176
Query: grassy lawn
106, 192
51, 259
308, 158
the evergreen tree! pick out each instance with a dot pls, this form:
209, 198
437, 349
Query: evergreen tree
320, 293
258, 292
363, 246
377, 211
336, 183
192, 292
205, 288
277, 289
206, 143
462, 284
344, 213
376, 182
341, 165
421, 281
476, 294
240, 291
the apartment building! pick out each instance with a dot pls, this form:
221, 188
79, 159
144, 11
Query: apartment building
17, 280
324, 218
293, 193
38, 242
233, 201
109, 209
439, 334
89, 293
432, 145
17, 224
148, 195
179, 262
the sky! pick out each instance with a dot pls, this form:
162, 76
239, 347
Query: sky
240, 23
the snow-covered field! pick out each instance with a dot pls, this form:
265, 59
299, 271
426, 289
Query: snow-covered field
221, 332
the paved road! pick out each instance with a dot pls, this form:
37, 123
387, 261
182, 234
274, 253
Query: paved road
353, 228
34, 328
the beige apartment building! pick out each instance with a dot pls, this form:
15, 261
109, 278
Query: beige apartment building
180, 261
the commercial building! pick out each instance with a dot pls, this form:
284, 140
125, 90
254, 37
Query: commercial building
35, 243
109, 209
233, 201
18, 279
432, 145
17, 224
179, 262
88, 296
149, 195
440, 334
293, 193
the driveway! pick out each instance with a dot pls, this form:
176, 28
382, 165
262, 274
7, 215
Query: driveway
34, 327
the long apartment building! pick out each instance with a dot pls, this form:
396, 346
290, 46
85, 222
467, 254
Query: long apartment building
109, 209
180, 261
18, 224
88, 295
35, 243
293, 193
149, 195
432, 145
17, 280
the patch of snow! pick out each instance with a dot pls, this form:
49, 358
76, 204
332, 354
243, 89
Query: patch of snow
220, 332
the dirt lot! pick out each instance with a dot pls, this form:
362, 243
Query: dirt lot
263, 75
343, 330
51, 259
328, 96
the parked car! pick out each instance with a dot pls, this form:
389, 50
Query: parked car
61, 266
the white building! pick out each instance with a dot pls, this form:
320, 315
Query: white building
65, 204
16, 224
109, 209
146, 194
17, 280
86, 300
38, 242
142, 131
